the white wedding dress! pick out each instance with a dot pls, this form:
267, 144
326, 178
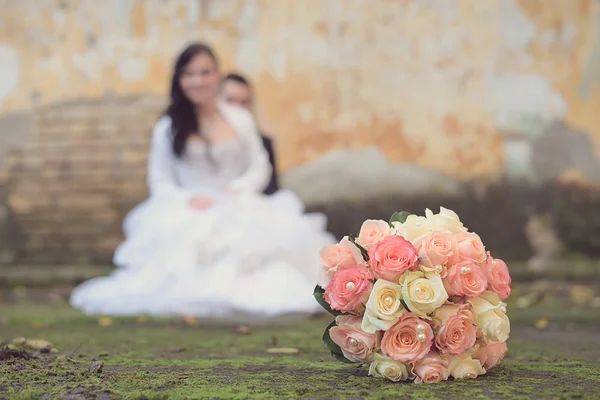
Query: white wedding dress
246, 254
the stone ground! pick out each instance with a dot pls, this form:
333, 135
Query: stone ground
554, 353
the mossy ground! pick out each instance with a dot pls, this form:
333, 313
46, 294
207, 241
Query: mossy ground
150, 358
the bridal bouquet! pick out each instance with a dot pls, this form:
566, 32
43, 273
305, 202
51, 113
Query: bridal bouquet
416, 298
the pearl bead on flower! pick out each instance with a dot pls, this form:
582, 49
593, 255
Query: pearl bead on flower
465, 270
352, 342
420, 328
421, 337
389, 300
503, 309
438, 268
350, 286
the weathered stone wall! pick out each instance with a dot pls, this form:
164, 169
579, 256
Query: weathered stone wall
81, 169
428, 94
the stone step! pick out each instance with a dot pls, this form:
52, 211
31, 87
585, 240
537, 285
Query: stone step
576, 271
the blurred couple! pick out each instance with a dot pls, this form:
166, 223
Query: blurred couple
216, 237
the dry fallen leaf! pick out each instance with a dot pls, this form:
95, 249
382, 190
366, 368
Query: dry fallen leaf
190, 320
541, 323
582, 294
242, 330
283, 350
105, 322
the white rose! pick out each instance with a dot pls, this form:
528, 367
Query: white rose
413, 228
383, 309
490, 316
464, 366
384, 367
422, 293
445, 220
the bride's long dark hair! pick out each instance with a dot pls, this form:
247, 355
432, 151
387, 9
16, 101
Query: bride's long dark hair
184, 121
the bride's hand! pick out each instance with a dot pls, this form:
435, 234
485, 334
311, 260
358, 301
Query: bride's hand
200, 202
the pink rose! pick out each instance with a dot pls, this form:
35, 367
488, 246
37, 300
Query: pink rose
356, 344
391, 257
342, 254
496, 272
470, 247
409, 340
465, 279
456, 331
490, 354
372, 232
349, 289
437, 251
431, 369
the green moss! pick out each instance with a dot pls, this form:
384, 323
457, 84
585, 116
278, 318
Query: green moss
163, 358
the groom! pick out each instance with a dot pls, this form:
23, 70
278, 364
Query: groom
235, 89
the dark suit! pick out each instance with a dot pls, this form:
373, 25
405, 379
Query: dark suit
273, 185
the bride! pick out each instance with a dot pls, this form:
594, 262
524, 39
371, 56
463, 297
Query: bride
207, 243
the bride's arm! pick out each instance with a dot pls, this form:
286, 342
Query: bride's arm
161, 164
257, 176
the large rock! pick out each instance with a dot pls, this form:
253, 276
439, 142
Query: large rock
346, 175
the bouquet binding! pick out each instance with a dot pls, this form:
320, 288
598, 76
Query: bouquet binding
416, 298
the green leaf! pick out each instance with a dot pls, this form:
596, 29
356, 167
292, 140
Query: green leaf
318, 294
363, 251
336, 351
399, 217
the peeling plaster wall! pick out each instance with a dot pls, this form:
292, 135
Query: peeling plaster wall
442, 91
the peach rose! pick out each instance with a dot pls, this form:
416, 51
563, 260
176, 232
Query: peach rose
470, 247
490, 353
437, 251
409, 340
391, 257
356, 345
343, 254
349, 289
385, 367
445, 220
465, 279
455, 329
422, 293
414, 228
463, 366
372, 232
431, 369
497, 275
384, 307
490, 317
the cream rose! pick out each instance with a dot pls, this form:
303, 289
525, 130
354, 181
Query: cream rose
413, 228
464, 366
431, 369
385, 367
356, 344
445, 220
490, 317
372, 232
422, 293
383, 308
